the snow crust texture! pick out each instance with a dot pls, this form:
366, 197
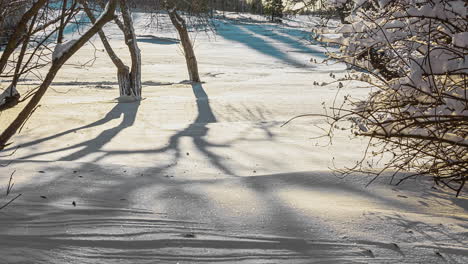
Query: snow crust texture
204, 172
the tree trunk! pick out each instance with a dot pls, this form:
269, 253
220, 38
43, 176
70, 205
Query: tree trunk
54, 68
212, 7
19, 31
11, 97
126, 87
62, 22
123, 71
191, 60
135, 54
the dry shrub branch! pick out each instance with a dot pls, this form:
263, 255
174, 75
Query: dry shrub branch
416, 54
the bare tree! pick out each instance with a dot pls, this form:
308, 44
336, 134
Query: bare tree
275, 9
62, 52
195, 9
135, 54
191, 60
10, 97
129, 79
10, 14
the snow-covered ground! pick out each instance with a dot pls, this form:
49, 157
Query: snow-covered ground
199, 173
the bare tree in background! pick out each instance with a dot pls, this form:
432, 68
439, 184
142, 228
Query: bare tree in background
10, 15
181, 26
197, 9
274, 8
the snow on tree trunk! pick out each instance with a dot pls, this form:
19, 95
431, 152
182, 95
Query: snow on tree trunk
9, 98
191, 60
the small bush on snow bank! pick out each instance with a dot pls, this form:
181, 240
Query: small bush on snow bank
416, 54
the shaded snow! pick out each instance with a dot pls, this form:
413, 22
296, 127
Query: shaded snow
11, 91
199, 173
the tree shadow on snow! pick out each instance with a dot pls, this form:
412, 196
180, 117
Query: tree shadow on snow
126, 110
204, 117
104, 225
262, 37
157, 40
196, 131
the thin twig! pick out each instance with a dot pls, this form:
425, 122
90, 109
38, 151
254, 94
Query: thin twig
5, 205
299, 116
10, 184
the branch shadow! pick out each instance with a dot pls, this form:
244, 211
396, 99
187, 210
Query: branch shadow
127, 110
104, 229
204, 117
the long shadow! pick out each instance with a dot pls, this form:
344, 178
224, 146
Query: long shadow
300, 40
248, 34
157, 40
261, 250
100, 85
129, 112
150, 237
205, 116
197, 131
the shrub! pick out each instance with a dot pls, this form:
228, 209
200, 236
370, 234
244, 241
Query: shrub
416, 54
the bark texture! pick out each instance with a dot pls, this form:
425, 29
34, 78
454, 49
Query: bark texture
135, 54
123, 71
15, 38
191, 60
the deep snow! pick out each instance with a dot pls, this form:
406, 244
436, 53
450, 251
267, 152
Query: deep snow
199, 173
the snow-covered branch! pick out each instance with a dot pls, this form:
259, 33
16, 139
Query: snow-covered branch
418, 56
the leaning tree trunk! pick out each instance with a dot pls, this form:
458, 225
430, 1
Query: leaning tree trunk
11, 97
131, 80
54, 68
20, 29
191, 60
123, 71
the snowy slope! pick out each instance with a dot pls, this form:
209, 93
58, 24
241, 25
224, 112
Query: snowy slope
204, 173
